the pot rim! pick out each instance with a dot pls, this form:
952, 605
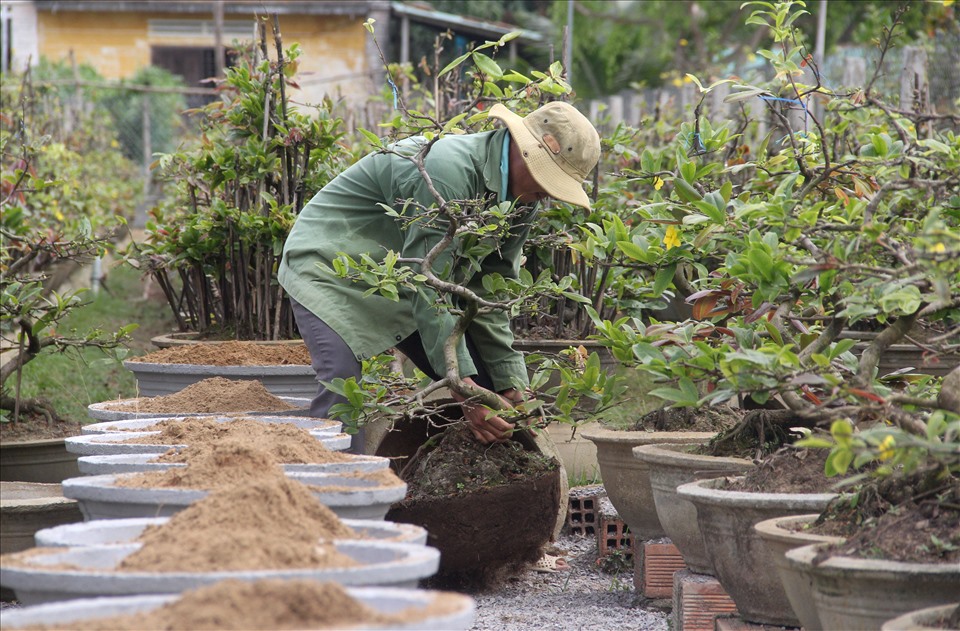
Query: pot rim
674, 454
838, 565
703, 491
634, 437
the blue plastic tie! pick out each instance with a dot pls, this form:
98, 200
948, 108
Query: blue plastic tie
393, 86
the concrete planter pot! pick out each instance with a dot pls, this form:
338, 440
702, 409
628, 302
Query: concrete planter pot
740, 559
187, 338
43, 461
114, 531
27, 508
929, 619
43, 579
383, 600
853, 594
136, 463
100, 498
106, 410
114, 444
291, 380
668, 467
781, 534
627, 479
321, 425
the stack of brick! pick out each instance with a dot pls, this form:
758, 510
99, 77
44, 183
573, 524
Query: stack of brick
613, 533
582, 513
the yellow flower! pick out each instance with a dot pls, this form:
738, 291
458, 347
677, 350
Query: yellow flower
677, 82
938, 248
886, 448
672, 238
683, 41
657, 183
948, 3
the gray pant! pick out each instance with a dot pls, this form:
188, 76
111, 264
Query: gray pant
330, 358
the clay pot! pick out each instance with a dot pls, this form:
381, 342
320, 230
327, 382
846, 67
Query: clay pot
155, 379
627, 479
781, 534
929, 619
852, 593
43, 461
739, 557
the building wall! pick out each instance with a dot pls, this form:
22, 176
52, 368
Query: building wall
334, 59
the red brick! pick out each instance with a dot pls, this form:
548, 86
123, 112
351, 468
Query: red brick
660, 561
613, 533
583, 509
736, 623
697, 601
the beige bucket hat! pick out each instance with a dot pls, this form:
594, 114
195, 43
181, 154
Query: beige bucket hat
559, 145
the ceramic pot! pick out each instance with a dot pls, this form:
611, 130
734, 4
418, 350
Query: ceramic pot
112, 444
44, 461
929, 619
737, 554
627, 479
460, 609
42, 578
781, 534
668, 467
852, 593
324, 426
136, 463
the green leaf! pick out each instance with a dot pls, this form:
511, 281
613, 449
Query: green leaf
453, 64
663, 279
487, 66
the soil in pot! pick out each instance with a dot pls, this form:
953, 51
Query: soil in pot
789, 470
898, 520
216, 394
234, 353
708, 419
268, 604
490, 509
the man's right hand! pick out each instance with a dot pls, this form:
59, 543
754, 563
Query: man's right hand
484, 424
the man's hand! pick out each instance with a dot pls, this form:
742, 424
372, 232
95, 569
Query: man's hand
484, 424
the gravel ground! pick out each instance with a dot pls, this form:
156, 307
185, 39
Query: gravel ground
582, 598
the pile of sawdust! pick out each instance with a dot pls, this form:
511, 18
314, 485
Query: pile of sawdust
269, 522
215, 394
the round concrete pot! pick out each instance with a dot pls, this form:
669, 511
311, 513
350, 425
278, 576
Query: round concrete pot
100, 498
135, 463
289, 380
114, 444
928, 619
108, 410
42, 578
112, 531
668, 467
322, 425
43, 461
29, 507
627, 479
853, 594
738, 556
781, 534
383, 600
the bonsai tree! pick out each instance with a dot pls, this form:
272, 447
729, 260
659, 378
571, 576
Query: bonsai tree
215, 240
60, 208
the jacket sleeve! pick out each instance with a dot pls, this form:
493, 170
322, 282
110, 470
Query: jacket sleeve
491, 331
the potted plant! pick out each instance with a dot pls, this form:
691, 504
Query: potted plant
783, 242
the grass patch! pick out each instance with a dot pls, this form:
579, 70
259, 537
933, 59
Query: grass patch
71, 381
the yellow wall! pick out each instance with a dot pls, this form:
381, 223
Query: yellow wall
117, 45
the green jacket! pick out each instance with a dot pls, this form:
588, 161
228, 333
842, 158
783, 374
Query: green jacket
345, 217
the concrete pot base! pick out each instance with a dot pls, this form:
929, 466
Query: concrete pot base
737, 554
290, 380
323, 425
112, 531
134, 463
381, 599
100, 498
851, 593
42, 579
113, 444
668, 467
106, 410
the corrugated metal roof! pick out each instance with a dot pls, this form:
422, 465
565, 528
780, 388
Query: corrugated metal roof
461, 24
244, 7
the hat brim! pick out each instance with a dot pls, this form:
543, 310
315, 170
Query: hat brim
554, 180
